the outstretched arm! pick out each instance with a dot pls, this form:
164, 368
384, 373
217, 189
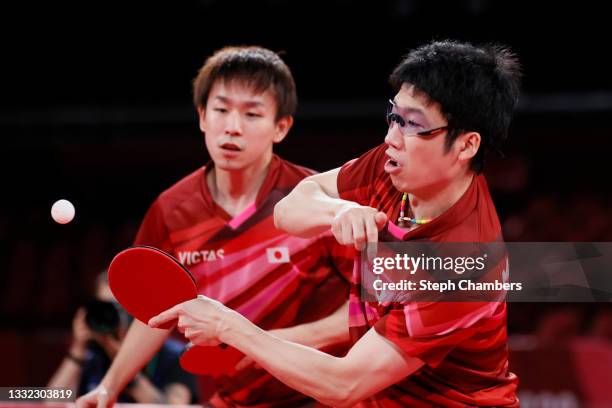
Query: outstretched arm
371, 365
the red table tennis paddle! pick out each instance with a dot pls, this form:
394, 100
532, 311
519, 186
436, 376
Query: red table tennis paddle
146, 281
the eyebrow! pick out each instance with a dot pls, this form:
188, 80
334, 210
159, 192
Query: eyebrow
248, 104
410, 110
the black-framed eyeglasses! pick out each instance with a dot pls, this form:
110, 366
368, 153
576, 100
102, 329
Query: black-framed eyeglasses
406, 127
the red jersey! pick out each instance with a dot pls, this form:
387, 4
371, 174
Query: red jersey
274, 279
463, 344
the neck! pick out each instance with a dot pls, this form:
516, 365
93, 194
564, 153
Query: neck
430, 205
235, 190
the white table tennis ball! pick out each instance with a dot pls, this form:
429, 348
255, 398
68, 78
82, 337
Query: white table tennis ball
62, 211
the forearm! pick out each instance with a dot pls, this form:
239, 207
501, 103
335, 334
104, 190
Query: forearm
137, 348
308, 210
372, 364
69, 372
305, 369
67, 375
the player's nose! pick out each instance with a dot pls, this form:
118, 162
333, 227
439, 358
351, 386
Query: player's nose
233, 124
394, 137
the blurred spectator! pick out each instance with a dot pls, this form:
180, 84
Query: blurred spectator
97, 331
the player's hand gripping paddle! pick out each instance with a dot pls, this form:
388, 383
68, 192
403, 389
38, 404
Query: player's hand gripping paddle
146, 281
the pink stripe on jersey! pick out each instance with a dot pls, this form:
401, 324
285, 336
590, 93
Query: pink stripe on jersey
243, 216
371, 313
239, 276
396, 231
255, 307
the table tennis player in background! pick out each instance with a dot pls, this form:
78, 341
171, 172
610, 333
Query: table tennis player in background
218, 221
97, 330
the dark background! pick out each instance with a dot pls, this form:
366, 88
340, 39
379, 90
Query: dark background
96, 108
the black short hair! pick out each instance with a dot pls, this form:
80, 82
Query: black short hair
256, 67
477, 88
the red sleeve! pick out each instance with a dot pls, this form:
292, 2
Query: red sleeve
357, 177
431, 330
342, 256
153, 230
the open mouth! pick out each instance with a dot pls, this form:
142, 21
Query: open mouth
392, 163
231, 147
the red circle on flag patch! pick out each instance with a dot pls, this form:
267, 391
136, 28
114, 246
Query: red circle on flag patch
278, 254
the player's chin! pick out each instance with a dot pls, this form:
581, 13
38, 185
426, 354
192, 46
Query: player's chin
229, 165
399, 181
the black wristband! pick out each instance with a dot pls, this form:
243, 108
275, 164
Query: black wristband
79, 361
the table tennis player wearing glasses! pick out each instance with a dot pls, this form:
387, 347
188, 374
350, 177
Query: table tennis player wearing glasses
453, 103
218, 221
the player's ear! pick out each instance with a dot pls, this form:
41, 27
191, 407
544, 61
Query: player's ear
467, 145
282, 128
202, 118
